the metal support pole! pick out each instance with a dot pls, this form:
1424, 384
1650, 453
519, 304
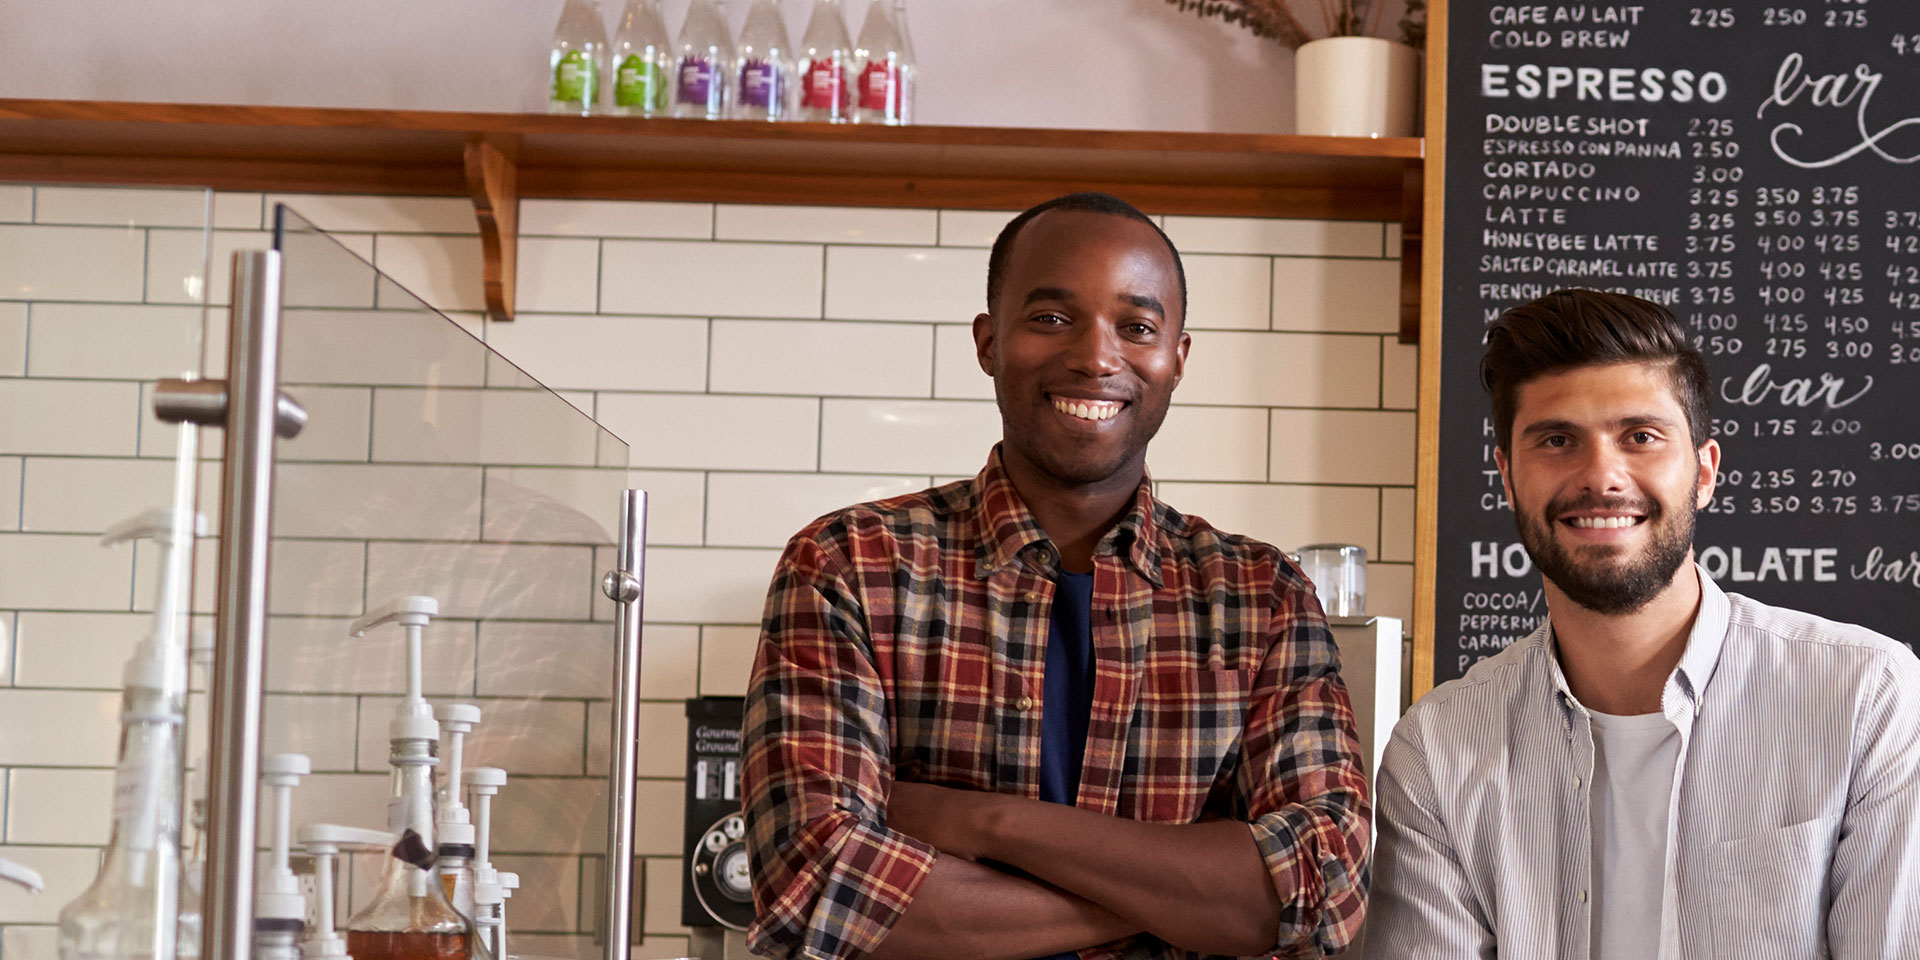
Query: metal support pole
246, 514
625, 586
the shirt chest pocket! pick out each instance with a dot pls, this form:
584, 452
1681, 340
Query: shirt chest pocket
1186, 730
1770, 893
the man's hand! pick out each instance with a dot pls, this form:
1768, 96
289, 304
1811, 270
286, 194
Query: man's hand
953, 820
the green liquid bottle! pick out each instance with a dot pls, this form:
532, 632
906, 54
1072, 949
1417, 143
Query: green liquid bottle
642, 62
578, 59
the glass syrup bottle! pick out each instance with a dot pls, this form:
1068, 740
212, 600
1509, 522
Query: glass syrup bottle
131, 908
642, 62
825, 95
879, 68
766, 65
410, 917
910, 64
704, 63
578, 59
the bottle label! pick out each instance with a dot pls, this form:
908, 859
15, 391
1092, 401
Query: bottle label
639, 83
760, 85
573, 79
696, 80
880, 86
824, 87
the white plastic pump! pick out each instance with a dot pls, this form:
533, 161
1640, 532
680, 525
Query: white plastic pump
413, 733
278, 899
455, 828
489, 895
323, 842
414, 718
22, 875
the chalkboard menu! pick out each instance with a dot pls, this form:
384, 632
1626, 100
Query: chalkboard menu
1753, 167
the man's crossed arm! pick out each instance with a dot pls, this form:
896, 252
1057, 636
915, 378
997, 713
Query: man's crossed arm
1202, 887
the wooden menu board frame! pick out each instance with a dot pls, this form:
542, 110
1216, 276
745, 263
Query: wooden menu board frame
1426, 539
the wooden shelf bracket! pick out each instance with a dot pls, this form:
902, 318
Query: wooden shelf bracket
493, 183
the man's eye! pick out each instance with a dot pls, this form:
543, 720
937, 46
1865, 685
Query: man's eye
1555, 440
1642, 436
1139, 329
1049, 319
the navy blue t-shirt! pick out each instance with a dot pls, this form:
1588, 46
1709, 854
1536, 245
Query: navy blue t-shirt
1067, 702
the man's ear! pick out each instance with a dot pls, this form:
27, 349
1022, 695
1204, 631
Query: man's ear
1180, 356
1506, 476
984, 341
1709, 474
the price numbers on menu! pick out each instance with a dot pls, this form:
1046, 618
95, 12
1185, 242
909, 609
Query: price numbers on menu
1839, 14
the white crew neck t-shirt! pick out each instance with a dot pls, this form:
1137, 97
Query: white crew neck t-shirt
1633, 764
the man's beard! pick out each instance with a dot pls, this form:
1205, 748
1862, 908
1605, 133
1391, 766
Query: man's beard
1612, 585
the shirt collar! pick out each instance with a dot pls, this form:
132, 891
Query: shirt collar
1008, 529
1696, 666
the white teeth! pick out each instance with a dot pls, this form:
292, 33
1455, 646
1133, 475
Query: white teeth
1089, 409
1603, 523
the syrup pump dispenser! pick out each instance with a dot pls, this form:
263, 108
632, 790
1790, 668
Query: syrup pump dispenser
279, 912
323, 842
130, 909
489, 897
456, 832
409, 917
25, 876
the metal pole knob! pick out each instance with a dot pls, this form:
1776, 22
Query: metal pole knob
620, 586
204, 402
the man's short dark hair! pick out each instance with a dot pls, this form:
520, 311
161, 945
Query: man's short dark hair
1579, 328
1088, 202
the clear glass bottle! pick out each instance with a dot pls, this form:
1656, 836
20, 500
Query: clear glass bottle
825, 95
642, 62
703, 63
130, 909
761, 85
879, 62
409, 917
578, 59
910, 65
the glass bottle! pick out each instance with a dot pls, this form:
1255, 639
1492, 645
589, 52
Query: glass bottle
909, 65
824, 53
766, 65
409, 917
642, 62
879, 60
130, 909
578, 59
704, 62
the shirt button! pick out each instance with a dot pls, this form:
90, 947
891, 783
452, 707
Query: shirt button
1576, 783
1583, 896
1025, 704
1033, 596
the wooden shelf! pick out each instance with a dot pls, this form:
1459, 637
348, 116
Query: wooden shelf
496, 158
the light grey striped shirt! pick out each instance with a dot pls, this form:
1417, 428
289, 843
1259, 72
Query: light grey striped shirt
1795, 816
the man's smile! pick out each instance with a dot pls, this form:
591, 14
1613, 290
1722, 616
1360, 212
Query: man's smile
1087, 408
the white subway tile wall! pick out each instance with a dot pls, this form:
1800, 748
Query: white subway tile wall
767, 364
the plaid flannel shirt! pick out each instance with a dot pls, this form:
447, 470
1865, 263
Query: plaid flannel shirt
905, 639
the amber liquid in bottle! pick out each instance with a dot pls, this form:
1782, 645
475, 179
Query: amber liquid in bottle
369, 945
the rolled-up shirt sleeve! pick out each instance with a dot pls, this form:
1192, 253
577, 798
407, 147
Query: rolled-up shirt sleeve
829, 879
1305, 786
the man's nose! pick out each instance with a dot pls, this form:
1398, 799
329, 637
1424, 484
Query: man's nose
1096, 350
1605, 470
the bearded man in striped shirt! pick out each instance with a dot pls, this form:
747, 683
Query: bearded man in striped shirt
1040, 712
1662, 770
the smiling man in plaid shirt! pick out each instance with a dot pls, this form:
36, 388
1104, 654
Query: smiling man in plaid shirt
1041, 711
